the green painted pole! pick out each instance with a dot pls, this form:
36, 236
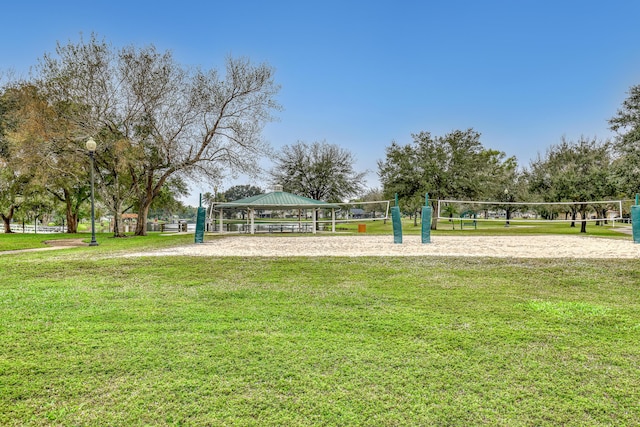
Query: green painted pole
426, 220
635, 220
200, 222
396, 221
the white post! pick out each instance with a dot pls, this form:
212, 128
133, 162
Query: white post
221, 222
251, 215
620, 206
333, 220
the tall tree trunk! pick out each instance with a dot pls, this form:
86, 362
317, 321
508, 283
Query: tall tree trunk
434, 216
117, 220
7, 224
7, 219
583, 224
573, 218
151, 191
72, 201
72, 217
141, 225
72, 223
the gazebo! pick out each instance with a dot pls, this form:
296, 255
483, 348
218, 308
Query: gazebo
278, 200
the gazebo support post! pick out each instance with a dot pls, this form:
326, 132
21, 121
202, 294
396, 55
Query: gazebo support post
333, 220
221, 221
252, 215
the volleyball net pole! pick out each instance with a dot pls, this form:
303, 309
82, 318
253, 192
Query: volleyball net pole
635, 220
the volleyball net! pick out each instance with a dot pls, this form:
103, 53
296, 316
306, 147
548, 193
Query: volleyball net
565, 211
295, 219
362, 211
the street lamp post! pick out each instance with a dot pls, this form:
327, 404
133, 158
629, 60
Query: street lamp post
91, 147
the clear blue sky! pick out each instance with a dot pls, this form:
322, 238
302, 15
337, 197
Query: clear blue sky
362, 74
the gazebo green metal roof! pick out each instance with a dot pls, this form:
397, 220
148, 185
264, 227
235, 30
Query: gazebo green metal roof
277, 199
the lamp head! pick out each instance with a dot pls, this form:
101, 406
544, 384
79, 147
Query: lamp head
91, 145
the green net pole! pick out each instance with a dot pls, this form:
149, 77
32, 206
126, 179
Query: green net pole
635, 221
200, 222
426, 221
396, 221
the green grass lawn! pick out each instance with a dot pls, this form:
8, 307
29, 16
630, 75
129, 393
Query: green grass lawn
316, 341
106, 242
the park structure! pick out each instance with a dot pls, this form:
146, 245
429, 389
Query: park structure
279, 200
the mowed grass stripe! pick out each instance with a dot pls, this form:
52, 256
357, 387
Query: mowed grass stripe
324, 341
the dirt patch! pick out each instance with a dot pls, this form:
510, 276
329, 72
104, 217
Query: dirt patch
65, 243
50, 245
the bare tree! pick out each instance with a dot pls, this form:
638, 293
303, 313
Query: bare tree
319, 170
160, 118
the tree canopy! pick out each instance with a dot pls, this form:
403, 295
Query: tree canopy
453, 166
154, 118
238, 192
626, 124
319, 170
577, 171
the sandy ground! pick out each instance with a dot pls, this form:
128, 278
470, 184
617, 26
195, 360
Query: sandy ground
365, 245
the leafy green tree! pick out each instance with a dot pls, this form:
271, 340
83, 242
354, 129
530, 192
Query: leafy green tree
626, 124
238, 192
11, 188
402, 171
16, 161
54, 160
574, 171
453, 166
115, 158
209, 199
36, 205
8, 178
373, 195
506, 183
167, 203
319, 170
